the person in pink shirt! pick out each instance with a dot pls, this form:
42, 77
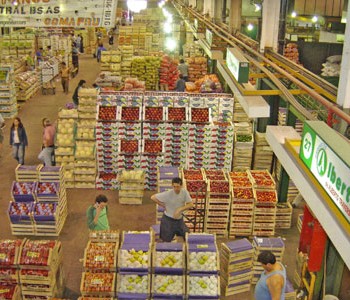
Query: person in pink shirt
48, 147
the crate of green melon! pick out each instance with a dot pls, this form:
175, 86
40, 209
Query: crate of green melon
244, 140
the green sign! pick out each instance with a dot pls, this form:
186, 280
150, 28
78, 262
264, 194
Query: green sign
209, 37
326, 165
238, 65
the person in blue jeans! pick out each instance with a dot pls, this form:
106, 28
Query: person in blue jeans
18, 140
272, 282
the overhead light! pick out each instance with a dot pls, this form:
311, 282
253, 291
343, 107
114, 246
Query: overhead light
167, 27
137, 5
314, 19
161, 4
170, 44
15, 3
293, 14
250, 27
257, 7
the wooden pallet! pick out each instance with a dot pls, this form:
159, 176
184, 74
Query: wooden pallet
23, 228
131, 200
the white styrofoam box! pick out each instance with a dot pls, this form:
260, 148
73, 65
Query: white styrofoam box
151, 101
166, 101
197, 102
181, 101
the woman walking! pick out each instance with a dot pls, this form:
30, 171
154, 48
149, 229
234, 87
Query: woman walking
18, 140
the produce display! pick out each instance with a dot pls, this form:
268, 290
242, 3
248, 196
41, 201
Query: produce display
85, 150
153, 114
37, 253
264, 196
199, 115
8, 105
129, 146
153, 146
197, 68
262, 179
195, 186
291, 52
93, 283
168, 284
211, 174
134, 258
191, 174
219, 187
168, 259
10, 292
168, 73
23, 191
44, 211
20, 211
100, 255
146, 69
130, 113
202, 261
177, 114
133, 283
203, 285
47, 188
243, 193
107, 113
9, 250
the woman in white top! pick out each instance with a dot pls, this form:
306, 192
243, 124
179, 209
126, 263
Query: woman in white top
18, 140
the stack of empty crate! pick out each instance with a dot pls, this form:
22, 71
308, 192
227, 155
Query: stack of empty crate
134, 266
263, 153
168, 272
265, 202
165, 176
275, 245
236, 260
243, 151
284, 215
203, 281
218, 202
242, 206
131, 186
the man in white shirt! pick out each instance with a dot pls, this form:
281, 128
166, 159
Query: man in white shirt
175, 202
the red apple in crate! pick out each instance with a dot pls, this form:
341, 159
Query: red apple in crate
107, 113
200, 115
176, 114
153, 146
130, 114
153, 113
129, 146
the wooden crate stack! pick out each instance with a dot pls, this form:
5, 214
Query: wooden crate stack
65, 143
290, 293
265, 202
284, 215
218, 203
239, 114
131, 187
41, 271
193, 181
164, 178
263, 153
9, 274
292, 189
85, 158
203, 265
134, 265
300, 222
242, 205
100, 264
50, 196
243, 151
275, 245
26, 173
168, 271
236, 261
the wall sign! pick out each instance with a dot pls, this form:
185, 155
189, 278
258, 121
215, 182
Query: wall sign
238, 65
62, 13
329, 168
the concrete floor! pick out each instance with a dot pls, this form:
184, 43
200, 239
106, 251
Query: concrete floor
74, 235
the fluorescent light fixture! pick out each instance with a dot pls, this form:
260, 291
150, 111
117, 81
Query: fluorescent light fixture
161, 4
250, 27
137, 5
314, 19
293, 14
257, 7
167, 27
170, 44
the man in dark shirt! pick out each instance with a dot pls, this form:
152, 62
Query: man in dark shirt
180, 84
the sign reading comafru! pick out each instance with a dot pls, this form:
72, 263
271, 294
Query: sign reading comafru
330, 170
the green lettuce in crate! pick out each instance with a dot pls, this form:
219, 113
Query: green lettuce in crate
244, 138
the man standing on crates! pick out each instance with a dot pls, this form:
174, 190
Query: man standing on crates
175, 202
47, 154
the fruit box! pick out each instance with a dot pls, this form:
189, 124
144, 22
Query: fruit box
218, 187
9, 275
168, 286
127, 113
154, 114
150, 100
177, 114
244, 140
47, 190
98, 284
104, 236
9, 253
10, 292
107, 113
262, 179
44, 211
23, 191
130, 146
203, 287
265, 196
132, 286
168, 258
200, 115
19, 212
151, 146
101, 256
134, 257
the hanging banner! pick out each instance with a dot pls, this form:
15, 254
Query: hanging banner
61, 13
326, 155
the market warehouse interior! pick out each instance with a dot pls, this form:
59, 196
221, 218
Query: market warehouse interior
256, 128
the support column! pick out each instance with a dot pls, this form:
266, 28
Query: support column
235, 19
270, 25
218, 7
343, 98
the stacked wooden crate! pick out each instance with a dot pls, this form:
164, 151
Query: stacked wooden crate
203, 265
284, 215
131, 187
243, 151
236, 261
265, 202
50, 211
134, 265
263, 153
41, 271
242, 205
26, 173
218, 203
292, 189
168, 271
164, 178
275, 245
194, 183
100, 264
300, 222
9, 274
